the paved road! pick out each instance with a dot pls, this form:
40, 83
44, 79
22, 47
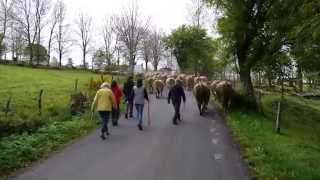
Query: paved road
200, 148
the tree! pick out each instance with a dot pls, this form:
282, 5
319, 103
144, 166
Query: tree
146, 49
198, 13
53, 24
70, 63
157, 48
61, 36
84, 32
41, 10
108, 38
37, 48
99, 59
192, 48
130, 29
6, 7
26, 17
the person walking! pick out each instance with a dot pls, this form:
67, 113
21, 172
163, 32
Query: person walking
176, 93
129, 96
118, 94
140, 95
103, 102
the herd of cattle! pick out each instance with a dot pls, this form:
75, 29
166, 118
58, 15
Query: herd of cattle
201, 86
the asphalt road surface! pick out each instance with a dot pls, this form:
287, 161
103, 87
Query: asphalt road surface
199, 148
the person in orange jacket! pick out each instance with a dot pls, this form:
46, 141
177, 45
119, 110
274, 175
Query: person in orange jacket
118, 94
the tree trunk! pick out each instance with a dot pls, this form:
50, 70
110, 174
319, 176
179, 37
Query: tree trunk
146, 66
246, 82
84, 60
300, 78
31, 54
60, 59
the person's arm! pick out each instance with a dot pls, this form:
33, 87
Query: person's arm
113, 100
146, 94
169, 97
94, 101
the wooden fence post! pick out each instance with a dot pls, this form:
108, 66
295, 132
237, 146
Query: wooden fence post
8, 106
278, 118
40, 102
76, 85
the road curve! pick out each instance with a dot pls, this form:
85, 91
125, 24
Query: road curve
200, 148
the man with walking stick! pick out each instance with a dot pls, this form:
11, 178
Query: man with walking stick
175, 95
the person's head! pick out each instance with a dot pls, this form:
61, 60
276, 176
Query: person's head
139, 83
130, 78
178, 82
113, 83
105, 85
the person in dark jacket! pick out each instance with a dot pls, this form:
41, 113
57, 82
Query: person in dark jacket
140, 96
175, 95
129, 96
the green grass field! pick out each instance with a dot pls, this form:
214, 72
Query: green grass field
295, 153
32, 136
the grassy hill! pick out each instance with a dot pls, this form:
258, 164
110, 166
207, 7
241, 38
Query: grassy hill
27, 136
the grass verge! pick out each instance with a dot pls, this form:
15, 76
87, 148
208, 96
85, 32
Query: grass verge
18, 151
293, 154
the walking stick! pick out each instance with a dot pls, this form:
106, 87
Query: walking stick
149, 119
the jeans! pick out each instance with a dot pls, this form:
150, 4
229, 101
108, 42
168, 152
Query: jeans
115, 115
139, 108
129, 107
104, 116
176, 116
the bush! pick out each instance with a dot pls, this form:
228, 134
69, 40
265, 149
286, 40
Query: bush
24, 121
244, 103
18, 151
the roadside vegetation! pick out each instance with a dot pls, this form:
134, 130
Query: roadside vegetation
27, 135
292, 154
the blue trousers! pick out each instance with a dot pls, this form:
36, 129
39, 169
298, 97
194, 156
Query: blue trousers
139, 108
104, 116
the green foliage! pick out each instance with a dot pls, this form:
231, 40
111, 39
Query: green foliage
99, 59
192, 48
292, 155
18, 151
262, 34
39, 51
27, 136
24, 84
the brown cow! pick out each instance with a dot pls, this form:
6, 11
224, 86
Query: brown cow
158, 85
202, 94
224, 93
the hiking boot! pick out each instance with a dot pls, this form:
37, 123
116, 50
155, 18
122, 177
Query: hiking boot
103, 137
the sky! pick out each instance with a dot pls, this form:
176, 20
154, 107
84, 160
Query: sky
165, 15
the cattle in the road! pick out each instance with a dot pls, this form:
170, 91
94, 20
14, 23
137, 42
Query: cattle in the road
170, 83
190, 83
158, 86
224, 93
201, 92
213, 85
150, 84
203, 79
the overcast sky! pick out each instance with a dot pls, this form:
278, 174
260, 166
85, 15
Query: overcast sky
165, 15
